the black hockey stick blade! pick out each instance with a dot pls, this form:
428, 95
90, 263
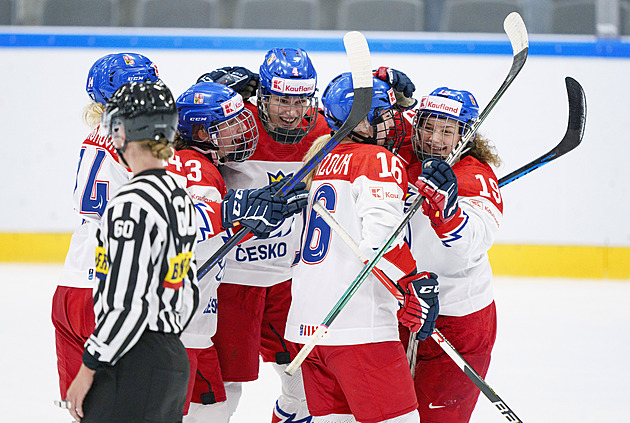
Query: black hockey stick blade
361, 69
572, 138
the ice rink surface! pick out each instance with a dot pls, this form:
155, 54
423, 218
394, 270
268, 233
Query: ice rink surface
562, 352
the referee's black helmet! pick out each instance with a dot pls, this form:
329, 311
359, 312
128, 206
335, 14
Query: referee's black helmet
140, 111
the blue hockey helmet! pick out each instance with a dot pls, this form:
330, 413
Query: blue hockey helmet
112, 71
337, 101
435, 111
231, 128
288, 75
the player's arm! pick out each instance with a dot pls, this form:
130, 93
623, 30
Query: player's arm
463, 214
380, 196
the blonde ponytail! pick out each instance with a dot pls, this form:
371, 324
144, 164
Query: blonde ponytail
317, 145
92, 114
161, 149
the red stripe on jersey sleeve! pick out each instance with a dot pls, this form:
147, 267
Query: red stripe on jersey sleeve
401, 257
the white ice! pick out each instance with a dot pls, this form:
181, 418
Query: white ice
562, 352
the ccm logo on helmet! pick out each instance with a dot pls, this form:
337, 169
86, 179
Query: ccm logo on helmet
293, 86
441, 104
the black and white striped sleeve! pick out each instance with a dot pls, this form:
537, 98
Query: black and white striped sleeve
146, 278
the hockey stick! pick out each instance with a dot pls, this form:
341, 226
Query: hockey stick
572, 138
361, 68
396, 290
517, 33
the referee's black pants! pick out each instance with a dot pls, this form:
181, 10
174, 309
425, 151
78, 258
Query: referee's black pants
147, 384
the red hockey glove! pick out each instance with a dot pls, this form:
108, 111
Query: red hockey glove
438, 184
421, 303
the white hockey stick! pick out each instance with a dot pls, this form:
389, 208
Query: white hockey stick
517, 33
396, 290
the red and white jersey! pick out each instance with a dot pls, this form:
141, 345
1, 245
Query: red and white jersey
194, 171
266, 262
458, 253
363, 186
99, 176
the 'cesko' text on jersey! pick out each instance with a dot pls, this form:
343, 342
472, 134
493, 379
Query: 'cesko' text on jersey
261, 252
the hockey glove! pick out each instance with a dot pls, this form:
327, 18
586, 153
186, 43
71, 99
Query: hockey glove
257, 209
240, 79
421, 307
438, 184
400, 83
297, 199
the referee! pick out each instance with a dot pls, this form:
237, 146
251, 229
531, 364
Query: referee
135, 368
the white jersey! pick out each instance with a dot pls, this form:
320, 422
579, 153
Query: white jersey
266, 262
99, 176
458, 254
196, 173
363, 187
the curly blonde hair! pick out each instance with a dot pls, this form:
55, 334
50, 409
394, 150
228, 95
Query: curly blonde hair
483, 150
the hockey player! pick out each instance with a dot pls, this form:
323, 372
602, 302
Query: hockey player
459, 221
359, 370
255, 293
214, 127
99, 176
134, 365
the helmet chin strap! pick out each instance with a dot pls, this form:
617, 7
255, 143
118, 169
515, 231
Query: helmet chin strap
122, 158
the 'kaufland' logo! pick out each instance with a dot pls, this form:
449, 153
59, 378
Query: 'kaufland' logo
293, 86
232, 106
377, 192
441, 104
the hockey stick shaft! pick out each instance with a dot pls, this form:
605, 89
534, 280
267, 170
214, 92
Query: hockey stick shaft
517, 33
572, 138
361, 68
503, 408
395, 289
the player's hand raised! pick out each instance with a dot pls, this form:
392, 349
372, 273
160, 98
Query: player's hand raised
240, 79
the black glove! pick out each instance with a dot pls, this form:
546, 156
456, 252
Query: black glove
240, 79
260, 209
297, 199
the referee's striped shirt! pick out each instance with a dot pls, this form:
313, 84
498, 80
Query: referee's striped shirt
145, 264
